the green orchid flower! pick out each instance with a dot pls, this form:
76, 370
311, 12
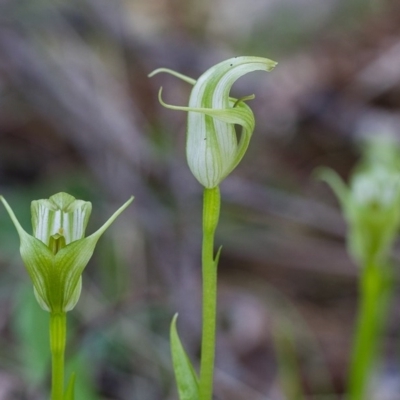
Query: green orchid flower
58, 252
212, 148
371, 207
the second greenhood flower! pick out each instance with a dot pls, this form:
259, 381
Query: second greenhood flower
212, 147
58, 252
371, 201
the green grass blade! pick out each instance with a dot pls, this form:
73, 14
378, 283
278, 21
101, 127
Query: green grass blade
185, 375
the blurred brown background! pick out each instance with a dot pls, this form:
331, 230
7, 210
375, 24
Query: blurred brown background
78, 114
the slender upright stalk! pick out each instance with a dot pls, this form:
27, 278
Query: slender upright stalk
211, 206
58, 327
374, 293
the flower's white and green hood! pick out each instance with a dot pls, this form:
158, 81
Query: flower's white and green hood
212, 147
58, 252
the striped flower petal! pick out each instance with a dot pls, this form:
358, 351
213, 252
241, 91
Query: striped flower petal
212, 147
56, 271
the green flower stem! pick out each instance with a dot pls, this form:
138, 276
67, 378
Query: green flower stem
375, 289
211, 207
58, 328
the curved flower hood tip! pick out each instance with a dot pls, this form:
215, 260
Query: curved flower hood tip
212, 147
58, 252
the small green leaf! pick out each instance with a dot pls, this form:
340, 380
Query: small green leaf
216, 259
81, 365
185, 375
70, 392
335, 182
